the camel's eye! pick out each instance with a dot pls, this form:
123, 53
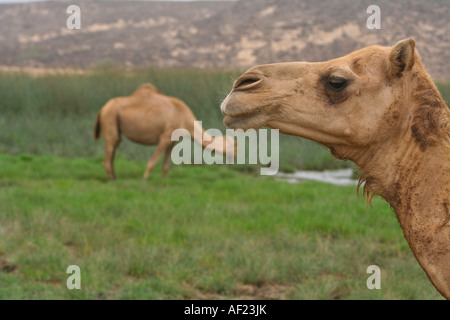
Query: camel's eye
337, 84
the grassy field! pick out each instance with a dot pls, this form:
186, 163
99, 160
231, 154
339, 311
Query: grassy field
206, 232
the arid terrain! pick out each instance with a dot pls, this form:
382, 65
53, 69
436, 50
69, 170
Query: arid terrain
225, 34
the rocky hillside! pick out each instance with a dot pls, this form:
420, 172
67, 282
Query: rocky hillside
225, 34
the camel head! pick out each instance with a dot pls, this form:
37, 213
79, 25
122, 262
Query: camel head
352, 101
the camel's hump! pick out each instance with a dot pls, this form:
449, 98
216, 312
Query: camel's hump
145, 88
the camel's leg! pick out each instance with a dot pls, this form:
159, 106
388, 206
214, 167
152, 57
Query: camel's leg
108, 162
112, 140
162, 146
167, 160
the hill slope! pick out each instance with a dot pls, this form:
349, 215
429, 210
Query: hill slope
216, 34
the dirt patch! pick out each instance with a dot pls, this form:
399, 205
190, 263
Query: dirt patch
266, 291
6, 265
261, 292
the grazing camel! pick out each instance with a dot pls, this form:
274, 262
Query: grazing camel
148, 117
379, 108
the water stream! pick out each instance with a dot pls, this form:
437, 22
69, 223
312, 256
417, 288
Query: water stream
343, 177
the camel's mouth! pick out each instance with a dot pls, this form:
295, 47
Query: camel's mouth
236, 111
240, 113
239, 117
233, 122
243, 120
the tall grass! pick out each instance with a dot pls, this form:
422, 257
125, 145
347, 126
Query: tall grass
55, 114
444, 88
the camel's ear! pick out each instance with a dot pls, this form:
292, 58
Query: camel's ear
401, 58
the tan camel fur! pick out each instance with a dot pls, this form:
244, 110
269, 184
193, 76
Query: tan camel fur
149, 117
379, 108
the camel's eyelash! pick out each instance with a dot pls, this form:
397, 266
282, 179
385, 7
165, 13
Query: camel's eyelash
337, 83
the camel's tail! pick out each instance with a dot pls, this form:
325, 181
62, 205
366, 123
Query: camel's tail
97, 130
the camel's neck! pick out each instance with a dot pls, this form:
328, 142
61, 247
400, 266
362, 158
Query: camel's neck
214, 141
420, 198
419, 185
211, 140
421, 140
413, 175
199, 135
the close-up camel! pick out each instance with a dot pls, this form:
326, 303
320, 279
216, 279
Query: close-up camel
149, 117
379, 108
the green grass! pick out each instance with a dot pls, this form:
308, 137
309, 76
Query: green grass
444, 88
206, 232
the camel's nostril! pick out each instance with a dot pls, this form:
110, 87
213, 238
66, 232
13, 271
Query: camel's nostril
246, 83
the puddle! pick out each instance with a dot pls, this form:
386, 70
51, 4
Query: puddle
341, 177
